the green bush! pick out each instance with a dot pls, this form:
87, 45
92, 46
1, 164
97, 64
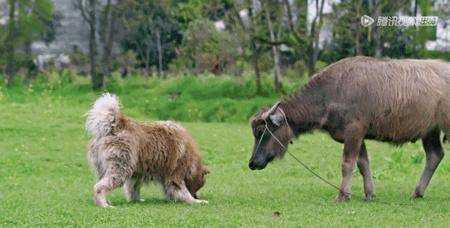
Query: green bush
189, 98
435, 55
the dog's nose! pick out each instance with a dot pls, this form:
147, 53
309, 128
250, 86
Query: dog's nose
197, 195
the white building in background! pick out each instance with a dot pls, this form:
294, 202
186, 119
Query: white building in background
442, 42
326, 33
71, 31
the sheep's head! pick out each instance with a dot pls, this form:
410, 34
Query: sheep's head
267, 146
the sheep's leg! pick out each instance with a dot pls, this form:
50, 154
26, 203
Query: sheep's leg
434, 154
353, 137
364, 168
132, 188
180, 193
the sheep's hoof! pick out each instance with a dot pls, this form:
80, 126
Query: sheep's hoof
369, 197
342, 197
416, 195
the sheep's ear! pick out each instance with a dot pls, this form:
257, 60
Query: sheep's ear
277, 118
271, 111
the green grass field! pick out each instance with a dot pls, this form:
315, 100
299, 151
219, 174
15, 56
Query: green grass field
45, 179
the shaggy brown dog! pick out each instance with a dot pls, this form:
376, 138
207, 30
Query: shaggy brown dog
126, 152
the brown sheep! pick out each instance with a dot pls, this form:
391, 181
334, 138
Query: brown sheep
359, 98
126, 152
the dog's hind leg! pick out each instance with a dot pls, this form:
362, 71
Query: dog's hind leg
114, 177
132, 188
179, 192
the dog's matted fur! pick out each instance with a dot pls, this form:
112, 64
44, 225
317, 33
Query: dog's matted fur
126, 152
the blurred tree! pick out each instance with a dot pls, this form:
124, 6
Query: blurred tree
375, 7
302, 38
243, 21
89, 13
28, 21
50, 27
423, 33
150, 31
107, 25
10, 44
187, 11
313, 41
401, 41
350, 38
127, 62
206, 49
274, 15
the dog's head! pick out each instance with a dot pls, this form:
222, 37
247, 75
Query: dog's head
196, 181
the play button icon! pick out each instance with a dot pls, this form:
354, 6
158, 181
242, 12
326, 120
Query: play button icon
366, 21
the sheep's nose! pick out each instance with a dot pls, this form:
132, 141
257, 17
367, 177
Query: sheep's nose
252, 165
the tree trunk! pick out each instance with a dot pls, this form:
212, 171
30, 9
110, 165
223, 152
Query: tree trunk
142, 51
147, 59
257, 74
416, 29
377, 32
10, 46
28, 63
275, 53
254, 48
313, 52
299, 27
108, 43
96, 79
160, 56
358, 49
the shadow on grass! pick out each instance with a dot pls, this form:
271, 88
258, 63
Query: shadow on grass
154, 201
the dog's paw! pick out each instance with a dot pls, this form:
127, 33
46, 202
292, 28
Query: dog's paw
105, 206
102, 204
202, 202
136, 200
197, 201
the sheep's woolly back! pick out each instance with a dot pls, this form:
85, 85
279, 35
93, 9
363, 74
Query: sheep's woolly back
103, 115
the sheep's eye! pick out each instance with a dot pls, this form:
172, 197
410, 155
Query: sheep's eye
259, 131
256, 133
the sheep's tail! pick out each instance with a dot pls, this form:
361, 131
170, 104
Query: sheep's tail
103, 116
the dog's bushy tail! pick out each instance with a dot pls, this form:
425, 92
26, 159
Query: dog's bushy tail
103, 116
